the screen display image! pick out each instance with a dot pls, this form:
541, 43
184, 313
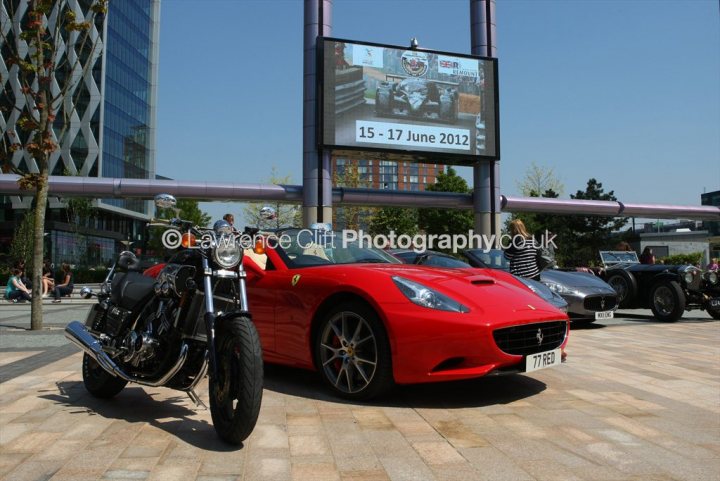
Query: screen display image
416, 102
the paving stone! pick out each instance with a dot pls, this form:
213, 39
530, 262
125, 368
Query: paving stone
637, 401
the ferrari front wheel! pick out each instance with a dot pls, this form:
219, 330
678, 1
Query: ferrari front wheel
352, 352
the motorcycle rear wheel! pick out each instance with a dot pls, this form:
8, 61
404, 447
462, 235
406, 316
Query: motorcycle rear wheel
98, 381
236, 394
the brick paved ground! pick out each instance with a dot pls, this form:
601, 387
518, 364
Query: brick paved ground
638, 400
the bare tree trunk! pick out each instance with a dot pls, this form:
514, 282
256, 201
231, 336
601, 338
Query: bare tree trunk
36, 312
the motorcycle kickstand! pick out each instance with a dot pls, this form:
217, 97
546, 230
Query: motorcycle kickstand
194, 398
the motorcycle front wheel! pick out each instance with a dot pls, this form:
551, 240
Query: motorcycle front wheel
236, 392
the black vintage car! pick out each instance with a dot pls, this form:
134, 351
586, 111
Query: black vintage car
418, 98
668, 290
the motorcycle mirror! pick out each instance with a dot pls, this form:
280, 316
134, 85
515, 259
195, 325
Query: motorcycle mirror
268, 213
165, 201
86, 292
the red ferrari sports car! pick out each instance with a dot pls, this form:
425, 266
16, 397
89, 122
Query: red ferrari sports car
366, 321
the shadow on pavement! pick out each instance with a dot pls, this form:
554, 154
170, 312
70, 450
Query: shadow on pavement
134, 405
479, 392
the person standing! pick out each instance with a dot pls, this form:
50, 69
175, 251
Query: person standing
713, 266
16, 291
522, 252
647, 256
66, 286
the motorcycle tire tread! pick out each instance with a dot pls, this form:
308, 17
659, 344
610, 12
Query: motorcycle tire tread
251, 378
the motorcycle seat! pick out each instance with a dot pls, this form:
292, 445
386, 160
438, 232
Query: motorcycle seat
129, 290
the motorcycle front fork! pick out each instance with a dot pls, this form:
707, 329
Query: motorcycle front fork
209, 316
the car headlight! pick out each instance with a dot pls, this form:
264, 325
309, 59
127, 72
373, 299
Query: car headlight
712, 277
559, 288
426, 297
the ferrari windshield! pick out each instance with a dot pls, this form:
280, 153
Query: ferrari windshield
493, 258
307, 248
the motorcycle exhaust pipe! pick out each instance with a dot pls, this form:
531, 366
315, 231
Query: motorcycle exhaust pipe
79, 335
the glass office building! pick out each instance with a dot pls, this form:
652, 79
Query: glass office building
111, 126
129, 90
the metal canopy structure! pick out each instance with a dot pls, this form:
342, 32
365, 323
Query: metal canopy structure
226, 191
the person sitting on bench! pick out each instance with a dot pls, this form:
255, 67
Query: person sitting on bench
65, 288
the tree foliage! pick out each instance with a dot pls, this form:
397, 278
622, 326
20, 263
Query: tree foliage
35, 56
445, 221
592, 233
21, 247
578, 238
401, 220
352, 217
286, 214
187, 209
539, 179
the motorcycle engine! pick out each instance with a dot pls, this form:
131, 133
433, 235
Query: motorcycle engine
138, 347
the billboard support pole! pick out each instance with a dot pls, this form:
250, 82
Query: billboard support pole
486, 174
317, 183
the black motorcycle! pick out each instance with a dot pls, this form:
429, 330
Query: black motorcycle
168, 325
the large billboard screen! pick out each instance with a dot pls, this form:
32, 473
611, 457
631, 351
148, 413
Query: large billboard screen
412, 103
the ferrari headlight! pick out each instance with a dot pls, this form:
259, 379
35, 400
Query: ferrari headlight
426, 297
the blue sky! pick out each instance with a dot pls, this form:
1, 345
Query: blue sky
626, 91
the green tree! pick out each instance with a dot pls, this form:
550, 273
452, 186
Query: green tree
401, 220
21, 247
539, 179
352, 217
187, 209
591, 233
285, 214
47, 78
446, 221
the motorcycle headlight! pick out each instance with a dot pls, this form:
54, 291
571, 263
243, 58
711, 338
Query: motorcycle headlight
426, 297
227, 254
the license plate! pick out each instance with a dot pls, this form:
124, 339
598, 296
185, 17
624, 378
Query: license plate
604, 315
714, 302
541, 360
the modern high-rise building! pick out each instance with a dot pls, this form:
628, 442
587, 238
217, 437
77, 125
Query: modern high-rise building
111, 130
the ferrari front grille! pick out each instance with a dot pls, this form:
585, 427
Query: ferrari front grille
531, 338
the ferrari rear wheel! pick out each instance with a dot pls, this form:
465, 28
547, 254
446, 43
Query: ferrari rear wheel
352, 352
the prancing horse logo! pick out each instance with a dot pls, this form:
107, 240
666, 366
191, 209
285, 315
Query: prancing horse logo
539, 336
295, 279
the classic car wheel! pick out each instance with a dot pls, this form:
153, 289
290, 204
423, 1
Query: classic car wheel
352, 352
625, 285
667, 301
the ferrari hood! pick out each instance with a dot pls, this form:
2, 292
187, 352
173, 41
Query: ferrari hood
482, 290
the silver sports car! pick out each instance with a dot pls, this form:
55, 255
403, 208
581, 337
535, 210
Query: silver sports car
588, 296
